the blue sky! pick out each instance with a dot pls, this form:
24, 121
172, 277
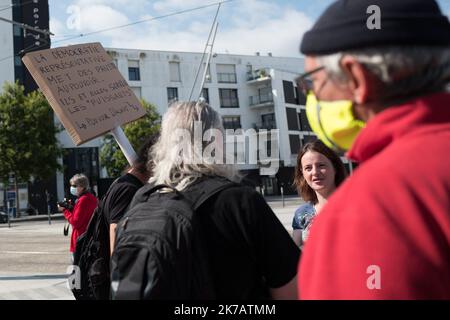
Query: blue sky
245, 26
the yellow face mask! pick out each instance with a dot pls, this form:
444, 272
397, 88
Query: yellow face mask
333, 122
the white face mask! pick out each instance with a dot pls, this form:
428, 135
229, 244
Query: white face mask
73, 191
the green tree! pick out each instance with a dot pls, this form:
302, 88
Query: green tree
111, 157
29, 148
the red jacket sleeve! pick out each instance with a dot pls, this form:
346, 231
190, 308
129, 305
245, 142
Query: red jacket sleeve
81, 213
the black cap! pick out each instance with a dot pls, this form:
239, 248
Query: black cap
344, 26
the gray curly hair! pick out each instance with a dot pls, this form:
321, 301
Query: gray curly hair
172, 157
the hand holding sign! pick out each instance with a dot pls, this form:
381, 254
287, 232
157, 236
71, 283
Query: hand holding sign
86, 91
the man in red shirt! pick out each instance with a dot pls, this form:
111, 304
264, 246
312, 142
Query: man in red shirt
376, 75
81, 213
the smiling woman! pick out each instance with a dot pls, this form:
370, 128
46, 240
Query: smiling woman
318, 173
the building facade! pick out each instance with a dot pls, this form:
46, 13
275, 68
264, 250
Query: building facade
251, 93
15, 41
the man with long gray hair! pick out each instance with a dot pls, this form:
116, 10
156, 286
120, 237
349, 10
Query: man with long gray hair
246, 251
376, 78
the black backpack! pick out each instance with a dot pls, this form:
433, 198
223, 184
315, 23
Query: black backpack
159, 251
91, 276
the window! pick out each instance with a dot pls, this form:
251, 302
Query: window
307, 139
205, 94
228, 98
174, 70
304, 124
233, 122
268, 121
292, 119
116, 63
137, 92
301, 99
17, 61
172, 94
133, 71
226, 73
83, 160
289, 95
265, 94
17, 31
294, 142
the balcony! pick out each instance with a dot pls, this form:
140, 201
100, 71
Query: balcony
226, 77
268, 125
258, 76
262, 100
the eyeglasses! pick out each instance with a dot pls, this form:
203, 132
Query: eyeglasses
74, 186
304, 81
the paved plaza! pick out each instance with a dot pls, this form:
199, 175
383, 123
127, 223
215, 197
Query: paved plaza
34, 256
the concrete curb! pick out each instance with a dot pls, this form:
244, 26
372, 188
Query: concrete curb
272, 200
41, 217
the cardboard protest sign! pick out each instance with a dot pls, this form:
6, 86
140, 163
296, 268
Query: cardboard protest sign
84, 88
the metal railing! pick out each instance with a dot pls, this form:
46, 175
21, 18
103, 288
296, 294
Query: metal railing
260, 99
268, 125
226, 77
229, 103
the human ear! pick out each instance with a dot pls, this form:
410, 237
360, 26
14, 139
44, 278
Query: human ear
359, 79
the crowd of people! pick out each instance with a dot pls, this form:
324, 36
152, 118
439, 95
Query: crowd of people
381, 233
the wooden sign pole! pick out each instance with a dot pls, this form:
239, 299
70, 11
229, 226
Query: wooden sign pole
124, 145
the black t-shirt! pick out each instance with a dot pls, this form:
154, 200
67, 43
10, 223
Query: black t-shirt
249, 249
119, 196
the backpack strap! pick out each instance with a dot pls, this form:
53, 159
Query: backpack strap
197, 193
206, 188
153, 189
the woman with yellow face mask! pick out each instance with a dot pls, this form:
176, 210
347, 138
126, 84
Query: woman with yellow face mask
318, 173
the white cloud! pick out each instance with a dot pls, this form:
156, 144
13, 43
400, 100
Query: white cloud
280, 36
171, 5
122, 5
96, 17
245, 27
254, 26
56, 26
84, 17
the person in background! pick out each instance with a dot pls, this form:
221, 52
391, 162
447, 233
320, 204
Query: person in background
82, 211
379, 91
121, 192
250, 253
318, 173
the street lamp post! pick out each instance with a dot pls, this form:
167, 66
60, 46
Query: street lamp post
10, 206
49, 208
7, 211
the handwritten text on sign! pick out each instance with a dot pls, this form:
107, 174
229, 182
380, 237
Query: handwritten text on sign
85, 89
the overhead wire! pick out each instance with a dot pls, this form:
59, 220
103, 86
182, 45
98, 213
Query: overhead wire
142, 21
118, 27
